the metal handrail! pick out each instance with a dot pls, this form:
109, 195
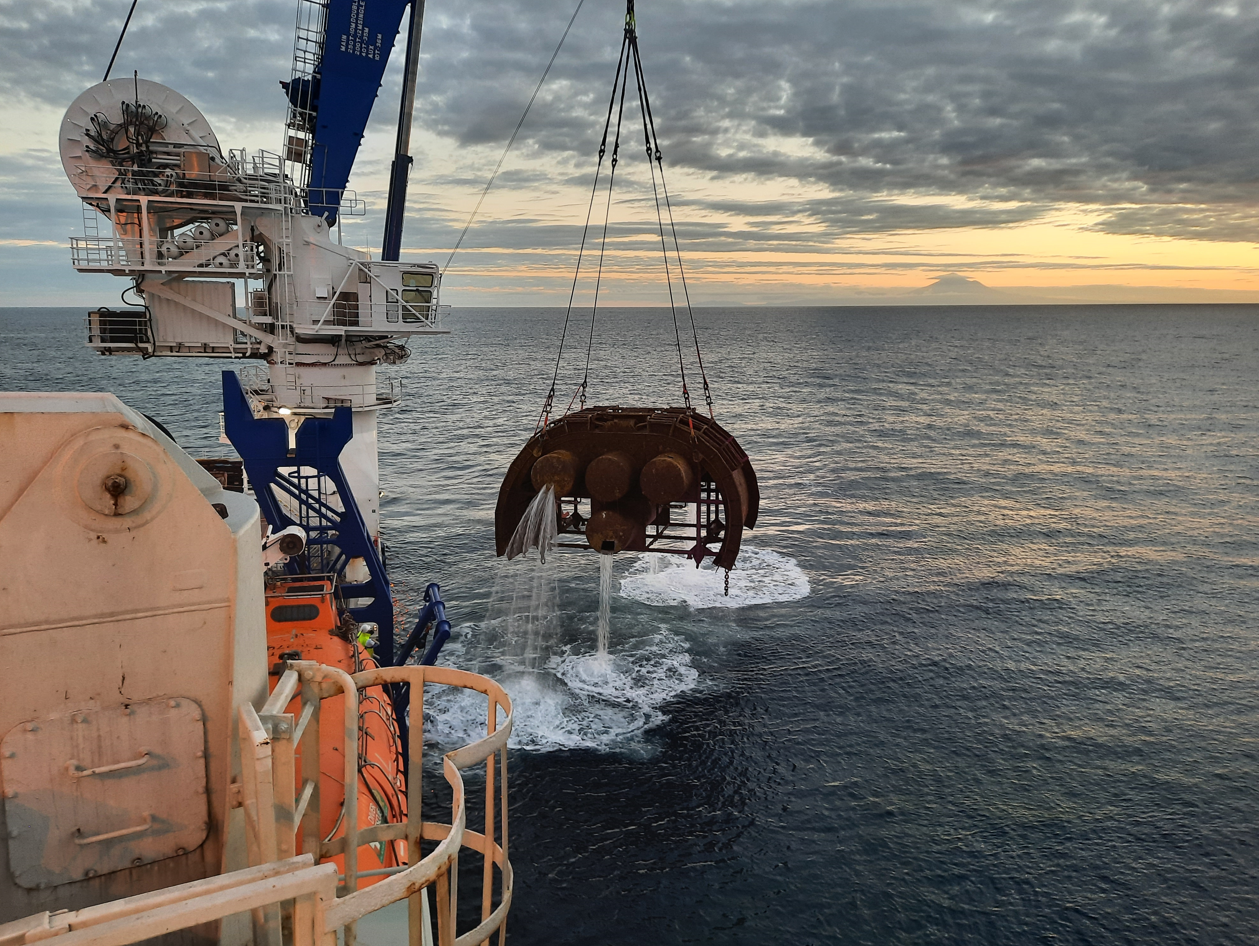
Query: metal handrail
134, 253
228, 185
293, 897
312, 683
120, 922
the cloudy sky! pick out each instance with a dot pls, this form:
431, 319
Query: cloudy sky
817, 150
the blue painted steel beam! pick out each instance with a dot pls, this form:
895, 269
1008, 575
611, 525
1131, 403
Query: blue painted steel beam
359, 38
333, 536
434, 610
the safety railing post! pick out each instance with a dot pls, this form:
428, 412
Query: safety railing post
417, 914
258, 802
502, 930
445, 908
309, 738
487, 877
326, 681
279, 727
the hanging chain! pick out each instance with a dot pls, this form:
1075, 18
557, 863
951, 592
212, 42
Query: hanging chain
629, 56
654, 152
664, 246
727, 583
623, 76
545, 417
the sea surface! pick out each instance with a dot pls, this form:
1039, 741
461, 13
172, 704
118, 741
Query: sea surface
989, 668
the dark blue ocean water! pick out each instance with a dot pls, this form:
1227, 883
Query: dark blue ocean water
1018, 705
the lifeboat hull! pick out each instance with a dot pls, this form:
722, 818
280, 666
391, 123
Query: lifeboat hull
302, 624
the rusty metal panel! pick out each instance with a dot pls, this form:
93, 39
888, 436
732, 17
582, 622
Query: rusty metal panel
103, 790
620, 472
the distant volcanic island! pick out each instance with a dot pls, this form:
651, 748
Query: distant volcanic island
956, 287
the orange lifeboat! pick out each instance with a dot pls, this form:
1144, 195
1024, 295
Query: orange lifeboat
302, 624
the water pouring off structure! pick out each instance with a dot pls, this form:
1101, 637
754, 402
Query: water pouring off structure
605, 605
631, 479
616, 478
537, 528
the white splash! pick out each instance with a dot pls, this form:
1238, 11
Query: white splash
760, 576
578, 700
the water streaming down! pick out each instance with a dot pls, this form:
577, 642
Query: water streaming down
605, 604
538, 527
531, 604
525, 597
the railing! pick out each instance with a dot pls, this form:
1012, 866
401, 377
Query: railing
293, 898
106, 253
392, 316
256, 381
112, 330
390, 309
109, 253
255, 182
388, 391
297, 880
241, 178
348, 203
385, 393
270, 739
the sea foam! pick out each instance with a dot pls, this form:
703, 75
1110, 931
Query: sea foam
579, 700
760, 576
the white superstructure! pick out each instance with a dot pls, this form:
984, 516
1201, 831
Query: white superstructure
226, 263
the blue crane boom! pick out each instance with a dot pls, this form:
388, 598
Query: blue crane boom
359, 36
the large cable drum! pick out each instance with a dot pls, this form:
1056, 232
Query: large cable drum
175, 124
636, 479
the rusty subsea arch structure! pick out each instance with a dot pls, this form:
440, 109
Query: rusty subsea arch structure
638, 479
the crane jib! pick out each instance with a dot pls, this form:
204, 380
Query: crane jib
359, 37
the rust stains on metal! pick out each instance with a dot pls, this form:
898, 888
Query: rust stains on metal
667, 478
609, 477
636, 479
557, 469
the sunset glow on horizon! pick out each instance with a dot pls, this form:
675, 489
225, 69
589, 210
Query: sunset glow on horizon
854, 152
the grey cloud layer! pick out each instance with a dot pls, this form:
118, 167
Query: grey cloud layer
1148, 105
1101, 103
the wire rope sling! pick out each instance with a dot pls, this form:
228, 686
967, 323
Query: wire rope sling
623, 478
